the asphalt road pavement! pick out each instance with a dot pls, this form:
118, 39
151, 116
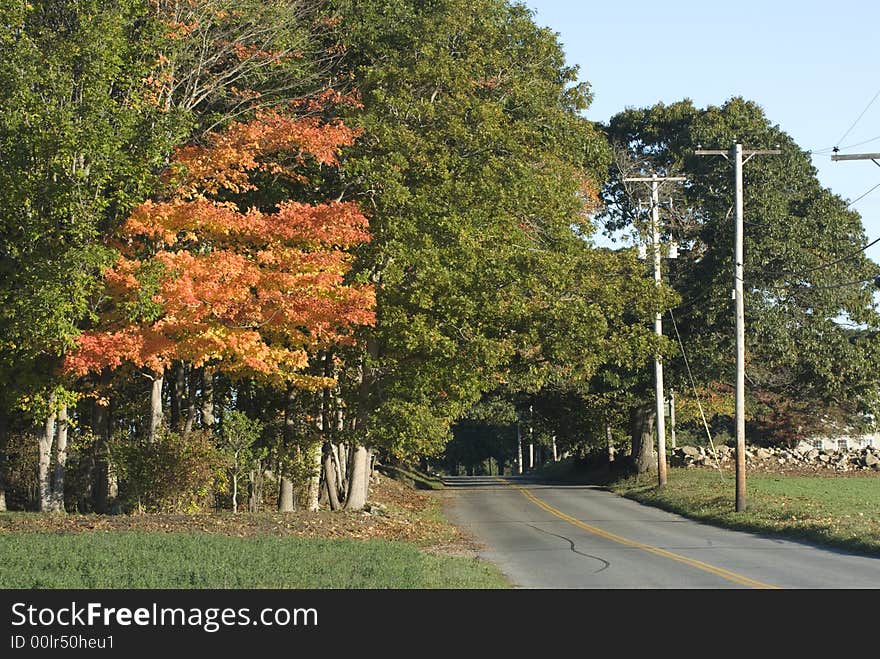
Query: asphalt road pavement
579, 536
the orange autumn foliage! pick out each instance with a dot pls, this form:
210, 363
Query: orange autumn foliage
251, 292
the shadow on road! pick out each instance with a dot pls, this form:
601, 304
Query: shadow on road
534, 482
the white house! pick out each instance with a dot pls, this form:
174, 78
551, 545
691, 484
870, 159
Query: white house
845, 442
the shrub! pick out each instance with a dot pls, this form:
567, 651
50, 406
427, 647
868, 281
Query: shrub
18, 470
176, 472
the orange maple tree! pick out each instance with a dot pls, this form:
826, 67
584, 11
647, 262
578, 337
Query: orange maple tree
248, 291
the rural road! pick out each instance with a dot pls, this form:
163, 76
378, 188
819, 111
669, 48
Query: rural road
578, 536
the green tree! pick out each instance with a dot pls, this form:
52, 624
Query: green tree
81, 143
806, 271
240, 435
476, 167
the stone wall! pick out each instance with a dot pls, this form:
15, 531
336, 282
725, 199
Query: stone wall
803, 457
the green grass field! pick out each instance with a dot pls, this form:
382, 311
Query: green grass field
838, 511
175, 560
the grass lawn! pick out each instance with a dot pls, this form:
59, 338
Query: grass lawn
178, 560
409, 545
843, 511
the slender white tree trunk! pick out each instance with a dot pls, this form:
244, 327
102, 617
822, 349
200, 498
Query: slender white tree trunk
45, 457
313, 493
519, 450
3, 434
338, 467
156, 406
342, 464
285, 499
610, 439
330, 477
60, 461
235, 493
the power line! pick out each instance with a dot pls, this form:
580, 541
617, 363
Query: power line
696, 395
829, 286
823, 265
833, 286
859, 118
841, 260
853, 146
853, 203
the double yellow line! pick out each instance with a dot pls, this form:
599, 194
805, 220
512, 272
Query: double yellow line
712, 569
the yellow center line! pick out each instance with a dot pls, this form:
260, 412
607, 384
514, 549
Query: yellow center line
718, 571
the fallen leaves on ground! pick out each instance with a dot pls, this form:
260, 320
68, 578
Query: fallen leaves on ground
404, 515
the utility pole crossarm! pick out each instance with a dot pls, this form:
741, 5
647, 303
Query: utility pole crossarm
644, 179
745, 152
857, 156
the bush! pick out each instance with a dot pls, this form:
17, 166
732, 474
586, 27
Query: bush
18, 470
175, 473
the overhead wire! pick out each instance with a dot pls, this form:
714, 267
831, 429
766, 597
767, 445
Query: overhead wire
859, 118
696, 395
853, 203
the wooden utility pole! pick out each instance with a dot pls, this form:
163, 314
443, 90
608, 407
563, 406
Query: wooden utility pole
655, 182
736, 154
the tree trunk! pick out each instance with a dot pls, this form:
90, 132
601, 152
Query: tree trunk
610, 439
314, 485
99, 457
358, 479
358, 472
193, 379
519, 450
45, 445
156, 407
4, 438
330, 477
338, 465
642, 432
235, 493
371, 467
178, 395
285, 498
60, 461
316, 452
208, 397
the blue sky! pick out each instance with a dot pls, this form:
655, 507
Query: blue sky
812, 66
